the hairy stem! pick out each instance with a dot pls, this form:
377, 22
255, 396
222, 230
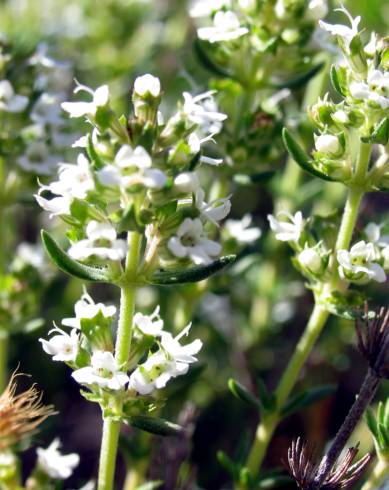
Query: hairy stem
316, 321
111, 427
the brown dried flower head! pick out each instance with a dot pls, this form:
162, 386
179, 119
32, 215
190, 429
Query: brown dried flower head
303, 470
20, 414
373, 340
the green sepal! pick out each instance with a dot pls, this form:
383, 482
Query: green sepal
154, 425
71, 266
307, 398
380, 133
301, 158
93, 156
243, 394
91, 397
252, 179
206, 61
338, 80
300, 80
192, 274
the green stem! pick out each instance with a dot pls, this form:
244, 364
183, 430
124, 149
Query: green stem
316, 321
4, 344
378, 475
111, 428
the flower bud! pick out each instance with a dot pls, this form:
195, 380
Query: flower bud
328, 143
146, 98
310, 259
316, 10
186, 182
340, 117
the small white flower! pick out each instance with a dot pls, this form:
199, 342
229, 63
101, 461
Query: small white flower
78, 109
287, 231
149, 324
202, 110
191, 242
213, 211
375, 91
359, 264
328, 143
310, 259
127, 157
54, 464
9, 101
170, 361
86, 308
186, 183
316, 9
241, 231
346, 33
103, 372
55, 206
226, 27
62, 346
101, 242
195, 143
147, 84
47, 110
38, 159
205, 8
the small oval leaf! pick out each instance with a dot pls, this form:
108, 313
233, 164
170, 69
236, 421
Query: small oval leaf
193, 274
71, 266
154, 425
301, 158
336, 81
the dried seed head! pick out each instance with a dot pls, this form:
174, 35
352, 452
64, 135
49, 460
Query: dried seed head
20, 414
373, 340
303, 469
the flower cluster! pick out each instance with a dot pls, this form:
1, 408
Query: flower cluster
88, 349
362, 80
139, 174
365, 261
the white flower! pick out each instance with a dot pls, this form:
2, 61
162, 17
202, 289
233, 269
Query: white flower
328, 143
191, 242
226, 27
147, 84
202, 110
103, 372
62, 347
127, 157
359, 264
215, 210
373, 234
187, 182
9, 101
101, 242
54, 464
47, 110
310, 259
86, 308
170, 361
375, 91
77, 109
284, 230
195, 143
149, 324
241, 231
205, 8
346, 33
316, 9
38, 159
56, 206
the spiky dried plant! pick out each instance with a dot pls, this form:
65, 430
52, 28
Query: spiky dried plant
303, 469
20, 414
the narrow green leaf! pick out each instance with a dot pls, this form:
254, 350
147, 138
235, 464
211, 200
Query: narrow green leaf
266, 399
383, 437
306, 398
70, 266
154, 425
337, 81
299, 80
300, 157
371, 422
386, 414
228, 465
380, 134
242, 393
93, 156
207, 62
193, 274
